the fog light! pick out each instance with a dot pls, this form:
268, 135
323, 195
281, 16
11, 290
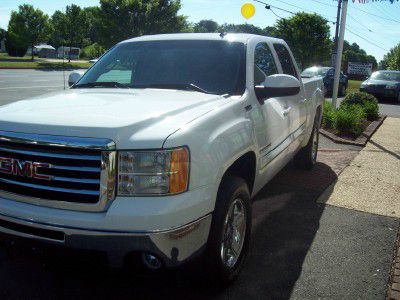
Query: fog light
151, 261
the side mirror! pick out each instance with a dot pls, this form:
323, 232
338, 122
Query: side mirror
278, 85
74, 77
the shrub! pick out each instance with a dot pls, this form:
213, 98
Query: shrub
348, 119
92, 51
366, 101
328, 114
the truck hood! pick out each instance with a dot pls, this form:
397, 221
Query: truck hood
133, 118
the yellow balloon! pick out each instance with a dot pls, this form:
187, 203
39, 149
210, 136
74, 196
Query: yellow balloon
248, 10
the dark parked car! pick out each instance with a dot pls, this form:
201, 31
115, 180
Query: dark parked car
327, 74
383, 84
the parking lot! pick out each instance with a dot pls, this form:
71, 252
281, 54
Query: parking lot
301, 249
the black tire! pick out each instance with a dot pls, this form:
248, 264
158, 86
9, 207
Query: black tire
306, 158
342, 90
215, 270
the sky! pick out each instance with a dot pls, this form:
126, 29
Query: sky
375, 33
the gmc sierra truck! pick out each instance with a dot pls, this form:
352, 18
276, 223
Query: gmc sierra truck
158, 149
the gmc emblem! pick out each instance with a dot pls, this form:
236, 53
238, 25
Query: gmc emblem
28, 169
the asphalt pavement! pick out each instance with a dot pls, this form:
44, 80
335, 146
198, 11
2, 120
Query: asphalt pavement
301, 249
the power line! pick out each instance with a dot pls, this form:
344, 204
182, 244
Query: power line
330, 17
368, 41
268, 6
378, 16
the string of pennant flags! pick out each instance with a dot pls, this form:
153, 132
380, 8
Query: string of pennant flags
370, 1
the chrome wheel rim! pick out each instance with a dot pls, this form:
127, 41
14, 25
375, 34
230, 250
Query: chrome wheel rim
233, 234
315, 145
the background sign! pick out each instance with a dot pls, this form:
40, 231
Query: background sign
359, 69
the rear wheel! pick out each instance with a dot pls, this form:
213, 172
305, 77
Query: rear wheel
229, 238
307, 156
342, 90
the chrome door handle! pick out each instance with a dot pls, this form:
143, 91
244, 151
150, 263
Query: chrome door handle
286, 111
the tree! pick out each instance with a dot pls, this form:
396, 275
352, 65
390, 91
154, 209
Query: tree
241, 28
206, 26
76, 26
308, 35
27, 26
123, 19
391, 61
58, 29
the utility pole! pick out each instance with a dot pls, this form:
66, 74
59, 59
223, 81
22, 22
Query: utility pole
334, 50
339, 53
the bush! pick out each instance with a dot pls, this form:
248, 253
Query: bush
348, 119
328, 114
366, 101
92, 51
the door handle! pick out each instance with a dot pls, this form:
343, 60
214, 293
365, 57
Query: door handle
286, 111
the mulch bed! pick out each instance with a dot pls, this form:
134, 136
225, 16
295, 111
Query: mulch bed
351, 140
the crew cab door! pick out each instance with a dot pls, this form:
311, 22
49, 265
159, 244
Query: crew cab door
271, 120
297, 104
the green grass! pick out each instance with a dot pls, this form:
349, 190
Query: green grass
26, 62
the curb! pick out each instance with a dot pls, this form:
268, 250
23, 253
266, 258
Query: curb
394, 280
361, 140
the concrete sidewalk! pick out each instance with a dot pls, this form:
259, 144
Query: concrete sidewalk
372, 181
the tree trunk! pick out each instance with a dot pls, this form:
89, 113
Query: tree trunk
32, 53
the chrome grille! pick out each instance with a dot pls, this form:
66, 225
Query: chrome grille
75, 173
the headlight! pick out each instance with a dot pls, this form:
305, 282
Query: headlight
160, 172
364, 85
391, 87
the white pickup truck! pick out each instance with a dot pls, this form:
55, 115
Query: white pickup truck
158, 149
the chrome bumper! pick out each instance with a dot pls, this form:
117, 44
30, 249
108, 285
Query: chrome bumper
173, 247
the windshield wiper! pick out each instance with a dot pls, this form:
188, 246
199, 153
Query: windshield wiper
177, 86
107, 84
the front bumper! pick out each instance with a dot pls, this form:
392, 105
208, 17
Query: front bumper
173, 247
383, 93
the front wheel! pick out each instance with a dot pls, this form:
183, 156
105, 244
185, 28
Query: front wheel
229, 238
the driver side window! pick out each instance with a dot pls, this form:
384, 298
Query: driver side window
264, 63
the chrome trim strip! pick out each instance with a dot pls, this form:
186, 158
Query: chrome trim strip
50, 188
79, 169
52, 155
57, 141
76, 180
108, 178
87, 207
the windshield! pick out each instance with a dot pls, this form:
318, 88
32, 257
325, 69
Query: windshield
314, 71
216, 67
389, 76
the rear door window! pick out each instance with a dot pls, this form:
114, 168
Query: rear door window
286, 60
264, 63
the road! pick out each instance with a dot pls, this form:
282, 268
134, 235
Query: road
21, 84
300, 249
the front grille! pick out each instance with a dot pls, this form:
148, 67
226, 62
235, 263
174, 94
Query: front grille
81, 171
376, 88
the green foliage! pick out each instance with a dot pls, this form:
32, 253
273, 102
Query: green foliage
366, 101
241, 28
391, 61
123, 19
92, 51
27, 27
15, 45
308, 35
328, 115
206, 26
349, 119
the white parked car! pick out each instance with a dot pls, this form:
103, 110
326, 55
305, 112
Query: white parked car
158, 149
